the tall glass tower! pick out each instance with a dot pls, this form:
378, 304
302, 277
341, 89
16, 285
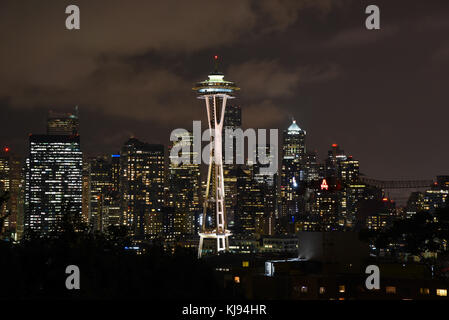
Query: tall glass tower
10, 176
184, 189
53, 181
294, 154
142, 187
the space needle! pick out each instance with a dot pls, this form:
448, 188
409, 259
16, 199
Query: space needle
215, 91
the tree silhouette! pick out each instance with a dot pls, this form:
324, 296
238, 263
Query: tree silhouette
35, 267
420, 235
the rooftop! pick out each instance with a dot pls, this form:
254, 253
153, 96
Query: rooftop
294, 128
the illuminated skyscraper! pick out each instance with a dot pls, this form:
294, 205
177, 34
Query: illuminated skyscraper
142, 188
312, 168
333, 165
293, 170
267, 182
232, 121
63, 123
326, 208
86, 191
184, 190
104, 209
233, 117
250, 203
215, 91
438, 196
256, 199
352, 196
99, 185
53, 181
10, 178
349, 171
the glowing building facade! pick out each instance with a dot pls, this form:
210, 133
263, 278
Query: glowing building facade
142, 188
232, 121
53, 182
104, 206
293, 170
10, 180
184, 190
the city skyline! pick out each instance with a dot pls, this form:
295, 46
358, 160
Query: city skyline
239, 150
307, 79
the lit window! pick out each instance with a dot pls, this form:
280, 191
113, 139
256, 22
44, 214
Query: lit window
245, 264
341, 289
424, 291
442, 292
390, 290
237, 279
322, 290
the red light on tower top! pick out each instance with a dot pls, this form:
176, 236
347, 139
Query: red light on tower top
334, 145
6, 149
216, 61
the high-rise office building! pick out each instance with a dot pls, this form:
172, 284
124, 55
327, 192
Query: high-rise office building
415, 203
115, 171
255, 211
10, 181
376, 214
142, 188
86, 191
267, 182
326, 208
99, 185
184, 189
293, 169
53, 181
313, 169
63, 123
104, 207
233, 117
437, 197
232, 121
351, 197
349, 171
250, 209
333, 165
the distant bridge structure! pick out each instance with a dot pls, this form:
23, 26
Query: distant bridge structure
399, 184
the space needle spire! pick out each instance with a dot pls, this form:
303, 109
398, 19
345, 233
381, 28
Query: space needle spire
215, 91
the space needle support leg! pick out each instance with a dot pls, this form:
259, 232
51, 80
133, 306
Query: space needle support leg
226, 239
200, 247
206, 197
220, 194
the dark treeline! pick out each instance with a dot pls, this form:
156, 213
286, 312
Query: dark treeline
425, 235
35, 268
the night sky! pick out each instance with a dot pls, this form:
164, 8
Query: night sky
382, 95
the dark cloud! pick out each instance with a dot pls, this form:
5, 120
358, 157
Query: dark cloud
131, 67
